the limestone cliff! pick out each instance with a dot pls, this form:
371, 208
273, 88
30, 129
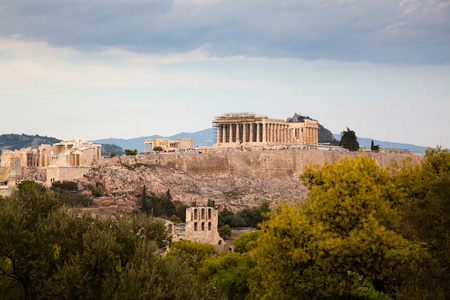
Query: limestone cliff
237, 179
236, 192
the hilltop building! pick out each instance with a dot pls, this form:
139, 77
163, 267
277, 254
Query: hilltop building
168, 144
66, 160
259, 130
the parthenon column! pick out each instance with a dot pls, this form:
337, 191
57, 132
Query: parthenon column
264, 132
238, 140
258, 132
224, 133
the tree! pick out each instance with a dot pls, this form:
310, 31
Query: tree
50, 252
349, 222
225, 231
28, 186
228, 273
374, 148
112, 154
426, 218
245, 242
158, 148
175, 219
192, 253
349, 140
130, 152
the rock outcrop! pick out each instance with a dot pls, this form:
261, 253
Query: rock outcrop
236, 193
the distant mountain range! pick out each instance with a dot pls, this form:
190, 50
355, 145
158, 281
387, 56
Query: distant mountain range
365, 143
205, 138
201, 138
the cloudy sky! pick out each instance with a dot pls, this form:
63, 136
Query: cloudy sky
108, 68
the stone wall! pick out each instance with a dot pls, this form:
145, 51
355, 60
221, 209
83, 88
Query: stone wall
282, 164
65, 173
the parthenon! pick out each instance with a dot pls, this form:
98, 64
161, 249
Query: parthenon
251, 129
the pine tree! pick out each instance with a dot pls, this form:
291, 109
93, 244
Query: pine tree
349, 140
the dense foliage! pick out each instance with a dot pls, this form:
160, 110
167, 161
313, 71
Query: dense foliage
349, 140
49, 252
131, 152
248, 217
160, 205
67, 192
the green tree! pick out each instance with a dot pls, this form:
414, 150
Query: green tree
225, 231
349, 140
130, 152
426, 218
181, 212
373, 147
192, 253
112, 154
158, 148
175, 219
349, 222
245, 242
228, 274
49, 252
28, 186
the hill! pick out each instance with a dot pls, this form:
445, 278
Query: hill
19, 141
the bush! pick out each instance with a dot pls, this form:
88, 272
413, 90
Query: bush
130, 152
65, 185
96, 192
175, 219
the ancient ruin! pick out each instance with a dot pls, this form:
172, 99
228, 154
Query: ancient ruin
201, 226
258, 130
66, 160
168, 144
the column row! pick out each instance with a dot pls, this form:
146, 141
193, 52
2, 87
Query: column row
255, 133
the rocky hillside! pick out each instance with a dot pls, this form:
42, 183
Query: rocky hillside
107, 149
325, 136
236, 192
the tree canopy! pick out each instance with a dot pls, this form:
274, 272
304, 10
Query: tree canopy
349, 140
50, 252
348, 223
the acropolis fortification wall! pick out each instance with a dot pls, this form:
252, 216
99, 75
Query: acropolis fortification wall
283, 164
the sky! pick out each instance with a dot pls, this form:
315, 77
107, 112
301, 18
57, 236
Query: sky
96, 69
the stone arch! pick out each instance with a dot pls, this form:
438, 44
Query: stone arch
203, 226
220, 242
209, 213
203, 213
209, 226
195, 214
195, 226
